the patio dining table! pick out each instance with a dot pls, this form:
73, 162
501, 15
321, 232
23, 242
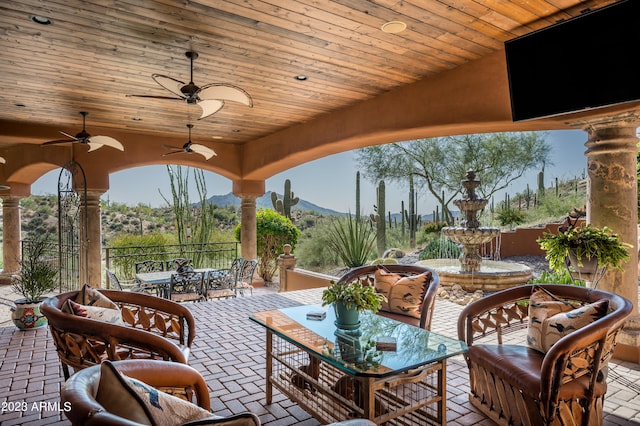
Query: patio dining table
159, 281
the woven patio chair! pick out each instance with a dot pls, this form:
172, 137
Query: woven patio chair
516, 378
424, 292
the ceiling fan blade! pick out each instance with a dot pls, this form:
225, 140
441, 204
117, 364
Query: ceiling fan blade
225, 92
104, 140
205, 151
155, 97
175, 148
209, 106
4, 187
2, 160
169, 83
73, 138
94, 146
59, 141
179, 151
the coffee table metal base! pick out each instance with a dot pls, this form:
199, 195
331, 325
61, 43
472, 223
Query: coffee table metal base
330, 395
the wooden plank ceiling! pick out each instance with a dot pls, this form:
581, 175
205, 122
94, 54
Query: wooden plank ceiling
96, 52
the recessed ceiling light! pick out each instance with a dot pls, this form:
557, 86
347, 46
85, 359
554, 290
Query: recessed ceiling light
216, 137
19, 104
236, 130
301, 77
393, 27
42, 20
136, 118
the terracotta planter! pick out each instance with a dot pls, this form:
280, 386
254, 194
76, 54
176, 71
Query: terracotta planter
27, 315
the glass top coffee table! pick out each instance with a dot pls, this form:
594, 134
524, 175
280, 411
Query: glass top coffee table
384, 370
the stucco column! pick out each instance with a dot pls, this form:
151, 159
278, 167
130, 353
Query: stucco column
612, 201
11, 232
91, 242
248, 191
248, 242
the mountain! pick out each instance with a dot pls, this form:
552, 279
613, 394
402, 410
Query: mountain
265, 201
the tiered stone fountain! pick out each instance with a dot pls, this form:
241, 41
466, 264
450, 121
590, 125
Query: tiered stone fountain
470, 271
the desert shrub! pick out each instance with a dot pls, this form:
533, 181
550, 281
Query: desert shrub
438, 248
312, 252
44, 210
553, 277
510, 217
272, 232
128, 249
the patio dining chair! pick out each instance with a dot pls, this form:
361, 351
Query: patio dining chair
186, 287
149, 265
175, 263
245, 277
217, 285
223, 279
116, 284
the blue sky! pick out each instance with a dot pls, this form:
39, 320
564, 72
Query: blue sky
328, 182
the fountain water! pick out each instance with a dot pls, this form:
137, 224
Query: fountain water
470, 271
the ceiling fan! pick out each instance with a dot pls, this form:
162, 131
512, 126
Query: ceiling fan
191, 147
94, 142
210, 97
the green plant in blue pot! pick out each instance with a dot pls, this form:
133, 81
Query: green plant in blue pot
349, 299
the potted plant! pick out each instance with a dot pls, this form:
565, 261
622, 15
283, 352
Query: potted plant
37, 276
349, 299
584, 246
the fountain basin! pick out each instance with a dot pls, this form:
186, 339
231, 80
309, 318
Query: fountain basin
470, 235
494, 275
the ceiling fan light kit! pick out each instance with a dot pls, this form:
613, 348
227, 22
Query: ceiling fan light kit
210, 97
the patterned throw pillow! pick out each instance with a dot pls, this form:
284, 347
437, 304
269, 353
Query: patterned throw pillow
91, 297
112, 316
551, 318
382, 283
118, 398
404, 294
134, 400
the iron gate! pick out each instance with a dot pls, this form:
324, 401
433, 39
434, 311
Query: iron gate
72, 225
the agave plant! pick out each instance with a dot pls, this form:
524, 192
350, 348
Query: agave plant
352, 239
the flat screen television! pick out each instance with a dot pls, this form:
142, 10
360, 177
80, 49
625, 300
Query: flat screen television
586, 62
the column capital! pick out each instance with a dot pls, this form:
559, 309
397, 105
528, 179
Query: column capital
11, 200
611, 134
243, 188
625, 119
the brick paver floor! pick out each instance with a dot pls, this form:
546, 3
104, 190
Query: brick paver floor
229, 352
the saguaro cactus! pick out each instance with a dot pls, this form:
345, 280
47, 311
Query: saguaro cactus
380, 219
541, 182
283, 206
410, 216
358, 195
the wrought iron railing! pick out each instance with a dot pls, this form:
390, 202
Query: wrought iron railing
122, 260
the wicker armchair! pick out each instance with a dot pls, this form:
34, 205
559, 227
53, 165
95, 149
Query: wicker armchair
366, 275
155, 328
515, 385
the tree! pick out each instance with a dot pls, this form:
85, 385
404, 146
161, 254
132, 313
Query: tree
440, 164
272, 232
